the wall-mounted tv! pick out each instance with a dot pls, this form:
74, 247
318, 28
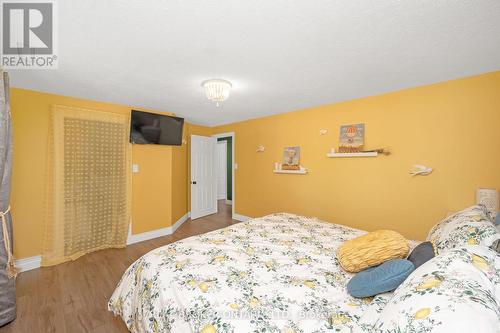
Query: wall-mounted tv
151, 128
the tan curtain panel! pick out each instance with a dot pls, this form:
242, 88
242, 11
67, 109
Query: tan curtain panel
89, 183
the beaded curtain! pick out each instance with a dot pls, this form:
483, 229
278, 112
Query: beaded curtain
89, 185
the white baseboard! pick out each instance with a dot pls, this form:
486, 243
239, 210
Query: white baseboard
241, 218
181, 221
27, 264
132, 239
229, 202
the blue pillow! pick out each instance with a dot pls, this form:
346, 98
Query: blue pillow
380, 279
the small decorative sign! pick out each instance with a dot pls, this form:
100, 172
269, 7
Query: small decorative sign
352, 138
291, 158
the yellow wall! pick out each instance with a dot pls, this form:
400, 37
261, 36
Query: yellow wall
453, 127
180, 178
151, 188
152, 203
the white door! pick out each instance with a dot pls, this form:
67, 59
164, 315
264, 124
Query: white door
203, 176
221, 169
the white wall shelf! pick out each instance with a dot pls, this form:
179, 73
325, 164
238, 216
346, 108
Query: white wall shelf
278, 169
367, 154
296, 172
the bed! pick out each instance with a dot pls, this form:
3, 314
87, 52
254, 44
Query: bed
278, 273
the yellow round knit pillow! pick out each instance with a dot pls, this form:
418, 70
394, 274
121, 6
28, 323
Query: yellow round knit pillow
371, 249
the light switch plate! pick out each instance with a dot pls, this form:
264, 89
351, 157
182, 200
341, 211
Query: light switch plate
235, 166
135, 168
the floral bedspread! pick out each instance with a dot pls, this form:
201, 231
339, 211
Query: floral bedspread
278, 273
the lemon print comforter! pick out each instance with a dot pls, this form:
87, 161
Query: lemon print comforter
277, 273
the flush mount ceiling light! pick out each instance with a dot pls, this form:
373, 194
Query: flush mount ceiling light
217, 90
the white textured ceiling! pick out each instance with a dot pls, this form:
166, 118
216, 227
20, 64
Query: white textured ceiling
280, 55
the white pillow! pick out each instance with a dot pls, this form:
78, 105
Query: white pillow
471, 226
458, 291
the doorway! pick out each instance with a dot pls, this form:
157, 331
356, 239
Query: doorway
203, 176
210, 187
221, 169
225, 167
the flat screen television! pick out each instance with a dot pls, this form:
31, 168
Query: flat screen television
151, 128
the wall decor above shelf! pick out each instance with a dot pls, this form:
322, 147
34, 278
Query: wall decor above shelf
361, 154
366, 153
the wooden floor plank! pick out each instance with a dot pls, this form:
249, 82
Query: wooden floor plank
72, 297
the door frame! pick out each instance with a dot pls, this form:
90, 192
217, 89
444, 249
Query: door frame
233, 136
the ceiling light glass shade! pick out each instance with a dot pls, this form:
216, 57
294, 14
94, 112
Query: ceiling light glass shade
217, 90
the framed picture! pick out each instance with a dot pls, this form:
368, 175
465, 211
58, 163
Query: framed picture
352, 138
291, 158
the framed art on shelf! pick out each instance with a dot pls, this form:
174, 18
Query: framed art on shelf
352, 138
291, 158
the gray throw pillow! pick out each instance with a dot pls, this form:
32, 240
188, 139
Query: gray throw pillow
496, 245
421, 254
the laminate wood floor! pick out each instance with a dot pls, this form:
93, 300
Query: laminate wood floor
72, 297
